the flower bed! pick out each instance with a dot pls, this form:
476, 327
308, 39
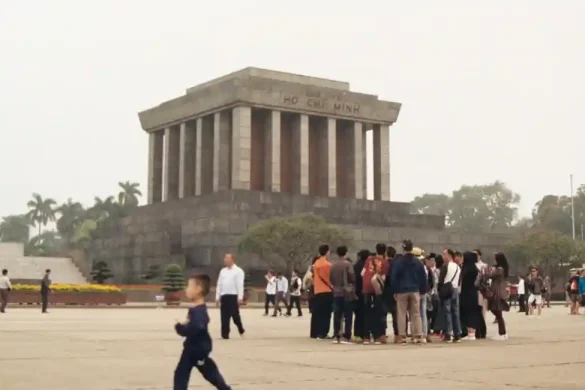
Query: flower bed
69, 294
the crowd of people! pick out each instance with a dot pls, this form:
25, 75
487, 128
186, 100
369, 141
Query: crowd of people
446, 295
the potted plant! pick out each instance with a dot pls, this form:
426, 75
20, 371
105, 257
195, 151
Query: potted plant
173, 283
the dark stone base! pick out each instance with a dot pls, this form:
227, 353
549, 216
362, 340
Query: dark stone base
195, 232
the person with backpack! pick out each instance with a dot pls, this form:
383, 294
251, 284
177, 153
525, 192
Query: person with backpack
373, 276
296, 285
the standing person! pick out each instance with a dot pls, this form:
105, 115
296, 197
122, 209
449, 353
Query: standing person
323, 299
229, 295
439, 315
574, 292
358, 323
535, 297
521, 295
449, 294
5, 287
281, 289
270, 291
309, 286
198, 344
483, 281
373, 276
409, 281
582, 288
528, 289
434, 302
498, 296
45, 290
547, 291
296, 285
470, 310
343, 282
389, 300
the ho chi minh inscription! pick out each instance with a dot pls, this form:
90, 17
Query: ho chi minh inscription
320, 103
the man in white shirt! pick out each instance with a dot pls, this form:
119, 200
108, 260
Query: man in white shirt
451, 273
5, 287
281, 289
521, 295
296, 285
229, 295
270, 291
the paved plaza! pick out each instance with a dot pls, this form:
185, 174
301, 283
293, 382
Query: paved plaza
137, 349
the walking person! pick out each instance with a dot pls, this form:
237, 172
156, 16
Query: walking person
373, 276
323, 299
536, 293
449, 281
498, 295
45, 290
296, 286
281, 289
547, 291
270, 291
5, 287
470, 309
358, 323
343, 282
574, 293
229, 295
409, 282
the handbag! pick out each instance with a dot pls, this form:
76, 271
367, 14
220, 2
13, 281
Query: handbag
446, 290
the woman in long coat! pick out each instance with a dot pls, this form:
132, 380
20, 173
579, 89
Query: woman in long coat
498, 294
470, 310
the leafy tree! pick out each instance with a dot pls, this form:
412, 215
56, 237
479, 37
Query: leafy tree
44, 244
41, 211
129, 193
173, 279
290, 242
553, 253
15, 228
472, 208
83, 233
71, 216
101, 272
553, 212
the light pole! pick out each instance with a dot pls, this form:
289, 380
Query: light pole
572, 208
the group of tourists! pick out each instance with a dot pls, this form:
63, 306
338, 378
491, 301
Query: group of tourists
447, 295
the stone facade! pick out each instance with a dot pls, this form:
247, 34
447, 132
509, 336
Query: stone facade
197, 231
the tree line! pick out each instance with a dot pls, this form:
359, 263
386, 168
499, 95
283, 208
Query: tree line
75, 224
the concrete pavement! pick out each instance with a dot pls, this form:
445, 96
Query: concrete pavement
117, 349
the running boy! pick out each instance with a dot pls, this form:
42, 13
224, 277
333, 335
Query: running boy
197, 345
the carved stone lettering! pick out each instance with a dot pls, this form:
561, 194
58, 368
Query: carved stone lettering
316, 102
290, 100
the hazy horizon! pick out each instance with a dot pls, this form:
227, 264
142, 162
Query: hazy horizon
488, 92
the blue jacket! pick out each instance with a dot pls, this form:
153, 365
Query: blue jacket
582, 285
408, 275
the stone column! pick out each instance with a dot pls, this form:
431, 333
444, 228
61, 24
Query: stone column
381, 162
198, 138
358, 160
155, 166
300, 138
171, 167
221, 152
272, 152
187, 160
241, 145
365, 157
330, 140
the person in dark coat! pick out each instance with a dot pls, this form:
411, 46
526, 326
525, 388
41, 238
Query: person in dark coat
358, 323
45, 290
470, 310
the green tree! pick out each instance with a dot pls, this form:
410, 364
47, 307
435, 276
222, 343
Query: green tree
173, 279
44, 244
41, 211
290, 242
472, 208
71, 216
101, 272
129, 193
15, 228
553, 212
152, 273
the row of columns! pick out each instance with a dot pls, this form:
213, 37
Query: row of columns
267, 150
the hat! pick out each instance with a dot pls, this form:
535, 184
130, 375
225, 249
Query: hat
416, 251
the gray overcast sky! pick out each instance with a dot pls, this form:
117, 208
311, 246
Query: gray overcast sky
490, 90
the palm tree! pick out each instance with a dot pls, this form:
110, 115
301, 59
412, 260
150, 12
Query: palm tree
15, 228
71, 215
129, 193
102, 208
41, 211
